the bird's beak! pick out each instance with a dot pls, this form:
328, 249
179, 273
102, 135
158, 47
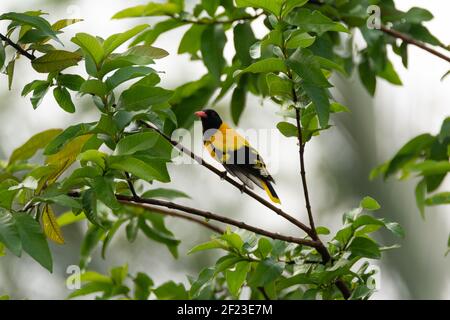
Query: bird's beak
200, 114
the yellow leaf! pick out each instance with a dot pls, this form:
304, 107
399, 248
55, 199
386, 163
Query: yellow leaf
66, 156
51, 227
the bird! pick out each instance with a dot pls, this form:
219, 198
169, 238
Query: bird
235, 153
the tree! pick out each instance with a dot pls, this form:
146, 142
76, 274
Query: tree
291, 65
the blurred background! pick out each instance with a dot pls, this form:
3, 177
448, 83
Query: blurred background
338, 164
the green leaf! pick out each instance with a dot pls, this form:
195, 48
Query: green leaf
61, 24
69, 218
233, 240
159, 236
127, 73
210, 6
115, 40
191, 41
212, 45
319, 97
39, 93
291, 5
264, 248
146, 51
396, 229
64, 100
151, 35
287, 129
142, 285
90, 241
111, 232
33, 21
322, 230
364, 247
2, 55
438, 199
266, 65
35, 143
149, 10
136, 142
279, 86
300, 39
314, 21
10, 72
164, 193
103, 188
390, 74
420, 192
213, 244
90, 45
417, 15
132, 229
146, 170
9, 234
70, 81
265, 272
369, 203
33, 240
367, 76
94, 87
56, 60
236, 278
272, 6
243, 38
409, 151
304, 63
238, 100
365, 220
171, 291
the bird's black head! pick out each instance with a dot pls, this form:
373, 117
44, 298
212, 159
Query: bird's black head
210, 119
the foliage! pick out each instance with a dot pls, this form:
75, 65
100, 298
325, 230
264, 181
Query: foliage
91, 169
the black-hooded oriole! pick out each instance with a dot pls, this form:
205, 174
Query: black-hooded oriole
234, 152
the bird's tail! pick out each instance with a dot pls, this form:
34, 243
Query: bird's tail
270, 191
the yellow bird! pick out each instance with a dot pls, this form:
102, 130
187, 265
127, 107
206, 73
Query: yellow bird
235, 153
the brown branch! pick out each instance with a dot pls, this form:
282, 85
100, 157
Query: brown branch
301, 151
131, 186
18, 48
230, 180
152, 204
410, 40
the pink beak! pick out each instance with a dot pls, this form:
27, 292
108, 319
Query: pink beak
200, 114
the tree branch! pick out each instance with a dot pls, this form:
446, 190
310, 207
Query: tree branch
410, 40
153, 204
131, 186
301, 151
18, 48
230, 180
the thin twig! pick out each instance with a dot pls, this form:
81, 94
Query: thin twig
131, 186
301, 152
180, 215
230, 180
410, 40
18, 48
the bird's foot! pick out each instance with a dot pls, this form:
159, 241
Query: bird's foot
242, 188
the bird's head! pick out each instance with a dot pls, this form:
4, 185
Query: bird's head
210, 119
